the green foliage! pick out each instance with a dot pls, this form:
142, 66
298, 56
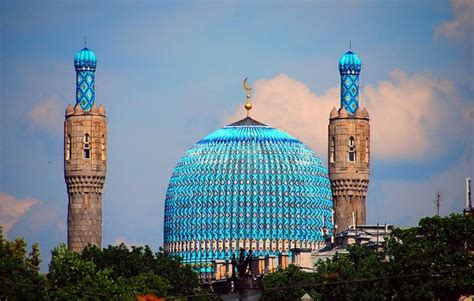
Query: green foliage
72, 278
293, 280
432, 261
439, 253
349, 272
149, 283
122, 261
19, 276
183, 279
140, 263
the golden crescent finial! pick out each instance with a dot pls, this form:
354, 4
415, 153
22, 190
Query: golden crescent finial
246, 88
248, 104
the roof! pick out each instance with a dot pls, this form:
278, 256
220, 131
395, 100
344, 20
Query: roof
350, 63
247, 121
85, 59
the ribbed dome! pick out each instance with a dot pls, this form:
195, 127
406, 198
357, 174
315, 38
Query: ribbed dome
350, 63
246, 185
85, 59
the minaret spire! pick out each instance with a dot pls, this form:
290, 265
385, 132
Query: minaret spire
248, 104
349, 68
85, 64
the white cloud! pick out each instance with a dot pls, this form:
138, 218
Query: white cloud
122, 240
412, 116
285, 103
48, 115
11, 209
462, 26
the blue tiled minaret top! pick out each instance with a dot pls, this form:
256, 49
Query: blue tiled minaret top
349, 68
85, 64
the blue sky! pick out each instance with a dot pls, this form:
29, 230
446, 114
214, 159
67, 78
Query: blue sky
170, 72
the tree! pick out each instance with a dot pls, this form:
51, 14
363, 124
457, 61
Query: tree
183, 280
345, 275
140, 264
289, 284
433, 260
19, 273
72, 278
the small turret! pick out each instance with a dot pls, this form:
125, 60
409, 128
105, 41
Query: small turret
69, 110
358, 113
101, 110
94, 109
78, 109
333, 113
365, 113
343, 113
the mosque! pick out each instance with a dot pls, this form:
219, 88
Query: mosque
245, 188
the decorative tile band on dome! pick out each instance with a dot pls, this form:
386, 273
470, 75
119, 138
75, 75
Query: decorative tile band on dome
249, 186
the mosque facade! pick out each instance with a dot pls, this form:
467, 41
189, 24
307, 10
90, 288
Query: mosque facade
247, 187
85, 157
251, 187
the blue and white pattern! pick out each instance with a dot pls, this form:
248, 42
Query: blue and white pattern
85, 63
249, 186
349, 68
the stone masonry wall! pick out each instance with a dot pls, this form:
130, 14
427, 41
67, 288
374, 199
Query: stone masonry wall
85, 175
349, 179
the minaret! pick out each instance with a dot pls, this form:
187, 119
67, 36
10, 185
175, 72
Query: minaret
349, 148
85, 157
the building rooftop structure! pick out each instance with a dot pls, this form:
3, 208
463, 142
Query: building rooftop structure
370, 236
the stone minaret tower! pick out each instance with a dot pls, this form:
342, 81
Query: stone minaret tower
85, 157
349, 148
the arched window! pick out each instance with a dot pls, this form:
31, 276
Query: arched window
68, 147
87, 146
332, 156
367, 150
103, 154
352, 149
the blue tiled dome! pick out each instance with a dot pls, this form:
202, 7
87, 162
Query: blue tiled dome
85, 59
350, 63
246, 185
